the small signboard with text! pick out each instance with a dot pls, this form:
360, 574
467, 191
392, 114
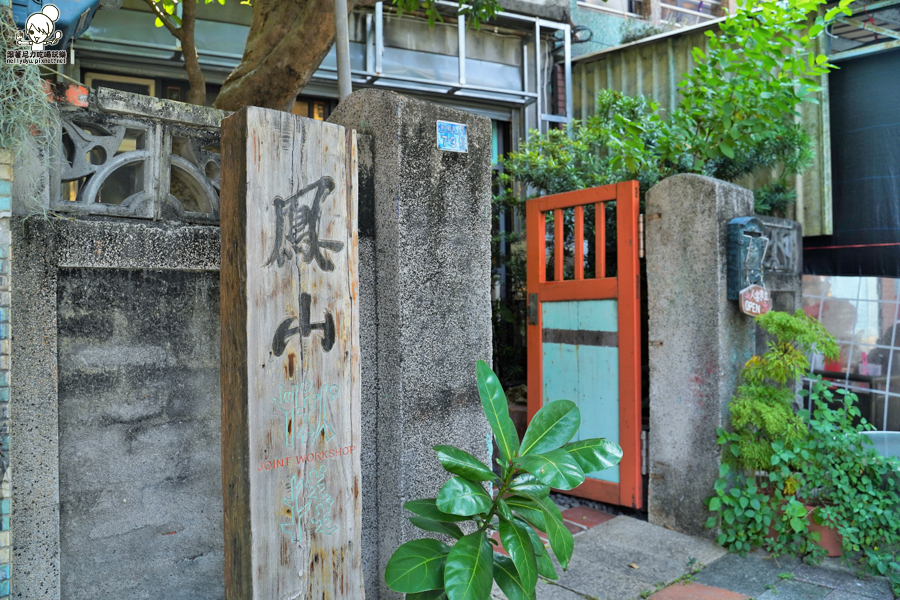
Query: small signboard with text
452, 137
755, 300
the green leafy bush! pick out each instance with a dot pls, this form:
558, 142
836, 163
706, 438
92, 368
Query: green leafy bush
782, 467
736, 114
544, 458
855, 488
754, 502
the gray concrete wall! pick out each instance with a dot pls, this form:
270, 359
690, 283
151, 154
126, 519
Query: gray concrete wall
115, 432
114, 410
430, 238
698, 342
140, 482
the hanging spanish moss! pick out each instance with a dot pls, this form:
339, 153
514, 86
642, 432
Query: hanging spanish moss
26, 111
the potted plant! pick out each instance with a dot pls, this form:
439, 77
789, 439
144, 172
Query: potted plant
756, 501
854, 489
464, 569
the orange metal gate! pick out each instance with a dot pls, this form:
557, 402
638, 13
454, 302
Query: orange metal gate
584, 324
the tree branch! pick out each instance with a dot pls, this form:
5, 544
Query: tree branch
197, 93
166, 21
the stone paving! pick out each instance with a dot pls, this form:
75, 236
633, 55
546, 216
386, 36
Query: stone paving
622, 558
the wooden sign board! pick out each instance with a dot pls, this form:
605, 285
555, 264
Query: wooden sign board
290, 359
755, 300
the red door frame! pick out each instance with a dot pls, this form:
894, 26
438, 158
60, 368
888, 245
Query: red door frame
626, 287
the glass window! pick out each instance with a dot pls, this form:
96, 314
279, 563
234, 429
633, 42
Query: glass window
863, 314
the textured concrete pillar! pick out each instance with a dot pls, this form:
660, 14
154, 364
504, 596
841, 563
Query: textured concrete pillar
698, 342
425, 311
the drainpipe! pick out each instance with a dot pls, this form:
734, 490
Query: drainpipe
342, 40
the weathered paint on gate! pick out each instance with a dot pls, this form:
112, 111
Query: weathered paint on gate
584, 332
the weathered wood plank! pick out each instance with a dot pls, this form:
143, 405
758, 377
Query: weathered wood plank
290, 358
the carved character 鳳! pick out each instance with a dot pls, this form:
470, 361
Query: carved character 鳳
301, 235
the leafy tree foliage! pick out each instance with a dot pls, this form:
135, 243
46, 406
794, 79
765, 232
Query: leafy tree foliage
736, 115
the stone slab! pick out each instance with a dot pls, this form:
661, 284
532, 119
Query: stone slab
746, 575
794, 590
644, 565
878, 588
874, 593
829, 578
653, 539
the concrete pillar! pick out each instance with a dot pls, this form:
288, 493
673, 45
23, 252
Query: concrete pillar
6, 177
425, 307
698, 342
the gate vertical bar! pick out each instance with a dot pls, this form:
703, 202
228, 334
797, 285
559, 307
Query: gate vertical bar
579, 243
629, 306
558, 243
536, 274
600, 244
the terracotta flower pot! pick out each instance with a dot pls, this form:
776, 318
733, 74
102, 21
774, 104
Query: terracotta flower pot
830, 539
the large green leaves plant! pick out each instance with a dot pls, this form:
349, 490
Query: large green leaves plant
518, 504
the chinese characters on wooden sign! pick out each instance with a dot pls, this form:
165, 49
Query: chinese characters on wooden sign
290, 359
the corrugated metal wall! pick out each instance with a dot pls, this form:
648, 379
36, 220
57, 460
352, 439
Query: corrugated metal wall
653, 68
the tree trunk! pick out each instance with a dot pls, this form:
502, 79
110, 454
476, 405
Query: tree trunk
197, 92
288, 40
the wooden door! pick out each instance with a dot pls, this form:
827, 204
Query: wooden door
584, 323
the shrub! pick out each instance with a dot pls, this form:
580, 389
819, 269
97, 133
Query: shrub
431, 569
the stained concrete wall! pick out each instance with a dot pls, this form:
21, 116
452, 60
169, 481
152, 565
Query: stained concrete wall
114, 427
115, 408
429, 235
698, 342
140, 482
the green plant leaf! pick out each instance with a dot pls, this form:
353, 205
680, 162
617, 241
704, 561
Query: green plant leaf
417, 566
556, 468
427, 507
596, 454
459, 462
437, 526
726, 150
503, 509
529, 484
508, 579
463, 497
560, 537
530, 510
469, 569
554, 425
545, 566
517, 542
496, 409
429, 595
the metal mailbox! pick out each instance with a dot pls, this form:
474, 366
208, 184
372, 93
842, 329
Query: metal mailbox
747, 244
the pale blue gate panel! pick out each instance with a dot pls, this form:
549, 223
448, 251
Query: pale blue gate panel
584, 367
587, 315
